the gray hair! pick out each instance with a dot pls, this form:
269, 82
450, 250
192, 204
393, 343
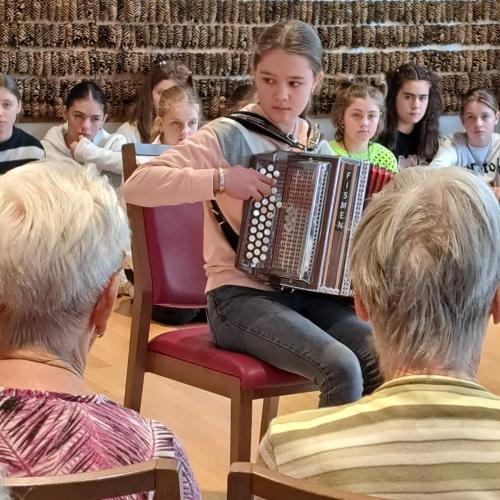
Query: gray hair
426, 262
63, 233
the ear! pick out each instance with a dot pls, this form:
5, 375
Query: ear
495, 307
65, 114
317, 80
104, 118
104, 305
360, 308
19, 107
497, 116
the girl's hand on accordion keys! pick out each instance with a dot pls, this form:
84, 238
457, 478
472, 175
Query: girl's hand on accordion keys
244, 183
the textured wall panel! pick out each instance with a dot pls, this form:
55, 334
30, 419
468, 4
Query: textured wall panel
50, 45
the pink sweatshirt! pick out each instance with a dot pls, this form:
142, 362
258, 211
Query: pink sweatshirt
184, 174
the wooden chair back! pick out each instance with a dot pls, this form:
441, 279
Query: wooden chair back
246, 480
162, 476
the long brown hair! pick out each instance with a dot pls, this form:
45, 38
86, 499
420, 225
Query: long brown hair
427, 127
142, 111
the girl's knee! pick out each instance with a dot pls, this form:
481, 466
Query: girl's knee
348, 367
341, 368
343, 382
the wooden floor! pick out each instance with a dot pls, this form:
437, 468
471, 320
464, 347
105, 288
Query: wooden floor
201, 419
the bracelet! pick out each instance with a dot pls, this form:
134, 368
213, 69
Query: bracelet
221, 180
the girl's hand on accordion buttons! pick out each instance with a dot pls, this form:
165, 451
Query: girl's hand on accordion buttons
244, 183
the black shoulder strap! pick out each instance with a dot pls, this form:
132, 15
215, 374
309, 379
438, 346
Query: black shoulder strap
257, 123
261, 125
231, 236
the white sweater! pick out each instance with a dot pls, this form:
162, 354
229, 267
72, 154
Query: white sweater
130, 131
104, 151
454, 152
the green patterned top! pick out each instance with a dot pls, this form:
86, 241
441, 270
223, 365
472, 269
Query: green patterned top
415, 437
376, 154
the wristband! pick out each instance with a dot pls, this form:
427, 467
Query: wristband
221, 180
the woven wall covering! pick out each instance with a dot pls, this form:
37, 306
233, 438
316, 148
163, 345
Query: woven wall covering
50, 45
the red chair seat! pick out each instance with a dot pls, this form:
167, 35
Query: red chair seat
195, 346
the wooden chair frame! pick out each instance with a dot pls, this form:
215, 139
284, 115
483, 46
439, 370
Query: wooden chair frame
161, 475
246, 480
141, 360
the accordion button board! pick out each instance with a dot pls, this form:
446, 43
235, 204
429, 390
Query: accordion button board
300, 235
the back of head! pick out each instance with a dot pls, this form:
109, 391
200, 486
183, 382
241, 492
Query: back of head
426, 262
63, 234
348, 89
243, 94
171, 70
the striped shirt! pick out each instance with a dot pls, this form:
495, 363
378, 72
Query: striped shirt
19, 149
415, 437
50, 434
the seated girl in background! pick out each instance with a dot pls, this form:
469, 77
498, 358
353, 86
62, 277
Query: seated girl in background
82, 136
478, 148
145, 108
16, 146
178, 115
413, 106
357, 115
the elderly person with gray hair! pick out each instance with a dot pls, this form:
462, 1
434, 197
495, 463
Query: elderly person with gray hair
63, 234
426, 272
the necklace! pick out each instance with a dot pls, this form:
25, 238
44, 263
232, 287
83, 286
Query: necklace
480, 164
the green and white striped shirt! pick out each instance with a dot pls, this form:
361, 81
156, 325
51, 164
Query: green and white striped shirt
417, 436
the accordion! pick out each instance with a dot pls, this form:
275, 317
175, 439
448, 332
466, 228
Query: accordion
300, 235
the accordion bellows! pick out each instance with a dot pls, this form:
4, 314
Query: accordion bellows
300, 235
116, 42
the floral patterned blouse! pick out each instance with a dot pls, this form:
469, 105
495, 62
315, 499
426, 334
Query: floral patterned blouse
48, 433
